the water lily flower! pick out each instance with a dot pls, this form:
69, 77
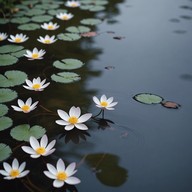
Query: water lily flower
62, 175
39, 148
25, 107
50, 26
72, 4
36, 84
3, 36
35, 54
14, 171
18, 38
73, 119
64, 16
47, 39
105, 103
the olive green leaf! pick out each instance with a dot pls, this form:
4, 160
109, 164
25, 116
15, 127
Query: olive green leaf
5, 151
5, 123
148, 98
65, 77
7, 95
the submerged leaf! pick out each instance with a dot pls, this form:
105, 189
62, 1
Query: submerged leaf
7, 59
7, 95
5, 123
65, 77
5, 151
68, 36
148, 98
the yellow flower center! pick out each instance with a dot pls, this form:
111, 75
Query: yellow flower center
62, 176
17, 40
1, 38
47, 41
104, 104
35, 55
25, 108
36, 86
50, 26
65, 17
14, 173
40, 150
73, 120
73, 4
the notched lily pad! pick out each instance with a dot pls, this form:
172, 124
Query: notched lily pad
7, 59
7, 95
42, 18
19, 53
20, 20
3, 110
5, 151
148, 98
24, 132
29, 27
68, 36
5, 123
65, 77
10, 48
78, 29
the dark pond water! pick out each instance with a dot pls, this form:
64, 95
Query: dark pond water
143, 47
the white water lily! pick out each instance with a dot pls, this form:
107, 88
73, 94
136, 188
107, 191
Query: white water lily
14, 171
64, 16
47, 39
50, 26
105, 103
25, 107
62, 175
35, 54
72, 4
41, 148
36, 84
18, 38
73, 119
3, 36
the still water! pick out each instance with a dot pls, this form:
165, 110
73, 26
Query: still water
142, 47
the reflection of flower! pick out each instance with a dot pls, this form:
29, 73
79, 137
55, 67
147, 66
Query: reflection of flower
50, 26
47, 39
62, 175
72, 4
25, 107
3, 36
103, 123
18, 38
36, 84
14, 171
35, 54
39, 148
64, 16
105, 103
73, 119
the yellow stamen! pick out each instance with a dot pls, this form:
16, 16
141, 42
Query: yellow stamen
35, 55
36, 86
65, 17
62, 176
14, 173
47, 41
104, 104
50, 26
1, 39
74, 4
73, 120
25, 108
17, 40
40, 150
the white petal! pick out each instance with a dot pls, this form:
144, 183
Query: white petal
69, 127
29, 83
50, 175
103, 98
84, 117
70, 169
72, 180
29, 101
16, 108
96, 100
49, 152
7, 167
63, 114
112, 104
51, 169
57, 183
4, 173
110, 100
23, 174
81, 126
44, 141
29, 150
22, 167
60, 165
62, 122
35, 156
26, 87
51, 145
74, 111
15, 164
34, 143
20, 103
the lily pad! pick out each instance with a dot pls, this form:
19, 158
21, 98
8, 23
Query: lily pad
3, 110
5, 123
42, 18
47, 6
56, 11
68, 36
34, 11
97, 8
10, 48
24, 132
68, 64
20, 20
19, 53
29, 27
90, 21
7, 59
5, 151
12, 78
65, 77
4, 21
148, 98
7, 95
78, 29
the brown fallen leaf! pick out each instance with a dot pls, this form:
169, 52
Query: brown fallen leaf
170, 104
89, 34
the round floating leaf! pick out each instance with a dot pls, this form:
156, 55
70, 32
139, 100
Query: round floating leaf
65, 77
55, 12
3, 110
29, 2
47, 6
12, 78
5, 151
5, 123
4, 21
68, 64
10, 48
24, 132
29, 27
170, 104
33, 12
7, 95
68, 36
78, 29
19, 53
97, 8
42, 18
90, 21
20, 20
7, 59
148, 98
86, 7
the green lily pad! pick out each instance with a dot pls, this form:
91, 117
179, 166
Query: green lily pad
20, 20
5, 151
7, 59
90, 21
19, 53
55, 12
3, 110
148, 98
24, 132
5, 123
78, 29
34, 11
29, 2
85, 7
7, 95
12, 78
97, 8
47, 6
42, 18
65, 77
29, 27
68, 64
4, 21
68, 36
10, 48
